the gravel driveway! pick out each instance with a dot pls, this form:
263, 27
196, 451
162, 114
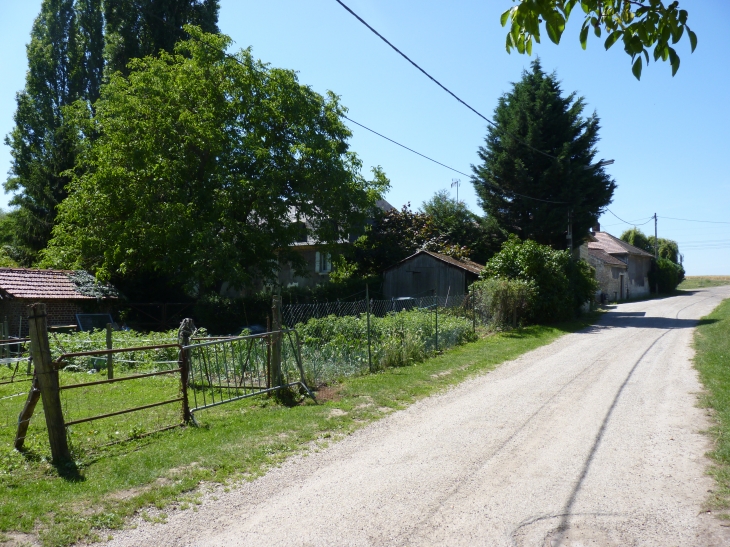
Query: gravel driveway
592, 440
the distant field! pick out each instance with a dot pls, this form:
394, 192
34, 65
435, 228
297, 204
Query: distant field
701, 281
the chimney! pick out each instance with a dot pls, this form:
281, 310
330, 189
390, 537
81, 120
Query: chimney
596, 227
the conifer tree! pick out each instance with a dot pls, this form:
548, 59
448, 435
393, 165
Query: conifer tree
542, 148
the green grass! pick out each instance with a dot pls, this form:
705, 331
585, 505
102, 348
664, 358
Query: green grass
237, 441
712, 360
702, 281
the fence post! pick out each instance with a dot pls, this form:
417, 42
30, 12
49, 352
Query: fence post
48, 383
367, 311
276, 339
6, 336
436, 309
186, 329
473, 310
109, 357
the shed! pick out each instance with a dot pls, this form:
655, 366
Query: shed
64, 292
426, 271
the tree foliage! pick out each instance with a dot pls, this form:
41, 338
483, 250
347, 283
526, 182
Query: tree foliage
138, 28
457, 225
203, 166
639, 24
561, 285
64, 64
542, 148
394, 235
666, 248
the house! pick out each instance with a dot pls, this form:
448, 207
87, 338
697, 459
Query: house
424, 272
64, 292
622, 270
317, 257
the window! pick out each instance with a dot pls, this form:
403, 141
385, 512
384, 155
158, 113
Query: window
322, 262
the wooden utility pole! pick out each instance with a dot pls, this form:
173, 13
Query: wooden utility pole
656, 253
48, 383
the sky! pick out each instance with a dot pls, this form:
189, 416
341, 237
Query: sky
669, 136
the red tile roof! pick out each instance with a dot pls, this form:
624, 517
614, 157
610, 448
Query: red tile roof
39, 284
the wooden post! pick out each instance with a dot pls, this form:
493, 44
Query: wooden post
367, 309
48, 383
276, 340
26, 414
6, 336
186, 329
109, 357
268, 353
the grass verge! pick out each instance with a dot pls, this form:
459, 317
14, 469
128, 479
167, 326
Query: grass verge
702, 281
712, 360
234, 442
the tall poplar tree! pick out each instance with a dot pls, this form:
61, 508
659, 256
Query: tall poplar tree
537, 172
138, 28
61, 67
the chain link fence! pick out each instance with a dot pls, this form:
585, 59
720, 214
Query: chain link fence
348, 338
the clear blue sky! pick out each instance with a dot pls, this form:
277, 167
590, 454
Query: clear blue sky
669, 136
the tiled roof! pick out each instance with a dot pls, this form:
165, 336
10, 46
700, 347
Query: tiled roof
613, 245
467, 265
40, 284
603, 256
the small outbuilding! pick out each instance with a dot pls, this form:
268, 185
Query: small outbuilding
64, 292
424, 272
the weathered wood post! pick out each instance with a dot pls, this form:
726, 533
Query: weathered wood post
109, 357
48, 383
186, 330
276, 341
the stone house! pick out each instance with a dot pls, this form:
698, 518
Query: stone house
22, 287
622, 270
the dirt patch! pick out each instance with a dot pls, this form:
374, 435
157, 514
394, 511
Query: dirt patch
328, 393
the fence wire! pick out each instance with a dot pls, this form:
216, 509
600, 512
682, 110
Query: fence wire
340, 339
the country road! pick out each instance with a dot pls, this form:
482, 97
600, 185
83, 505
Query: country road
594, 440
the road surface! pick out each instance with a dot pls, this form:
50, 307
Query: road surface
594, 440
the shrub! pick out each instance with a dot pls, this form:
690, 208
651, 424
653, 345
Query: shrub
561, 285
667, 274
502, 301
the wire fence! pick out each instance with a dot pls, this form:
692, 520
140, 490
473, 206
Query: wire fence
340, 339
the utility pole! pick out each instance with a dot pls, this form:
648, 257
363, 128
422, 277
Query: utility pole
569, 235
656, 254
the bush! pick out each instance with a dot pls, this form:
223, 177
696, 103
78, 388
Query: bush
561, 285
503, 301
667, 274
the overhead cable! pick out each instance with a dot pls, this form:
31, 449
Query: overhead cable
630, 223
691, 220
442, 86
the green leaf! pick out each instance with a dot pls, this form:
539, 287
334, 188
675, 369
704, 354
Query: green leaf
612, 38
528, 45
636, 69
584, 36
597, 31
673, 60
505, 17
692, 39
552, 32
508, 44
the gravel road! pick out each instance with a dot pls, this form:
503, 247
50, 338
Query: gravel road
594, 440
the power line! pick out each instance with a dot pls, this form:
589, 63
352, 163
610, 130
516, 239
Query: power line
497, 188
237, 60
630, 223
404, 146
691, 220
442, 86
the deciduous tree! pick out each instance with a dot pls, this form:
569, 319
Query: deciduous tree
202, 165
638, 24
